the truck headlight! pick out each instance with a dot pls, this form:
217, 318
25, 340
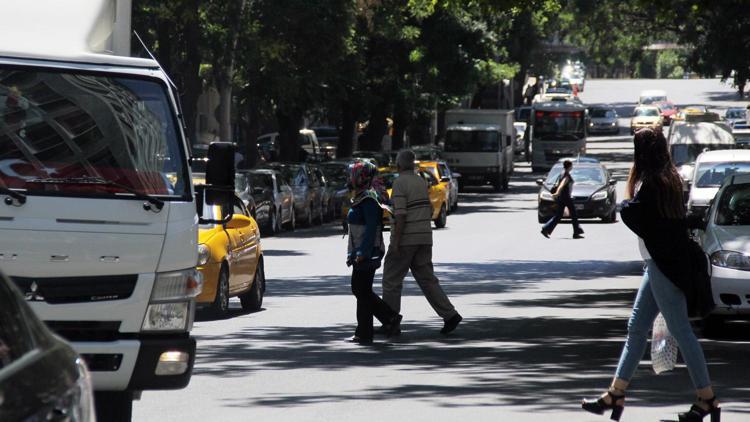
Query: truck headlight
177, 286
204, 253
731, 259
546, 196
166, 317
599, 196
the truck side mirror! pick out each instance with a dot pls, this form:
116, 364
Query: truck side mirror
220, 174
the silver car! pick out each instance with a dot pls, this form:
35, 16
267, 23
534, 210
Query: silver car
603, 119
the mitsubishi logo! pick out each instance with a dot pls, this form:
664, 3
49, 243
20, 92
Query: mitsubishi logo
33, 294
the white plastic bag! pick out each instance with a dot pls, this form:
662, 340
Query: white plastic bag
663, 347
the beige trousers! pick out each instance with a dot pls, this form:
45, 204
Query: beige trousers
418, 259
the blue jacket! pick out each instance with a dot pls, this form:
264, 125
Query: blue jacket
366, 229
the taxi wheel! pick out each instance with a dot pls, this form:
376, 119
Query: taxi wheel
252, 300
442, 219
220, 306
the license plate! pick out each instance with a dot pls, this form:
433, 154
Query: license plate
579, 207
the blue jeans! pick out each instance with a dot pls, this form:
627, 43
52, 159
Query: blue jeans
658, 294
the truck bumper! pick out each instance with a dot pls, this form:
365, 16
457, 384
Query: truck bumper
131, 364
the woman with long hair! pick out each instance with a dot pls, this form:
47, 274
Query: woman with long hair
654, 211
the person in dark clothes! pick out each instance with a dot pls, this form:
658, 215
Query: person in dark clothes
564, 200
365, 252
675, 280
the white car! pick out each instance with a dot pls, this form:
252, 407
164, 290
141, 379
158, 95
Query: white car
726, 240
652, 96
711, 168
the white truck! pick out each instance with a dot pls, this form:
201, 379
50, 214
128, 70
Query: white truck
479, 146
98, 216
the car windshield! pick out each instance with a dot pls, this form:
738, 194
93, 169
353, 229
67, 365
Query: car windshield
687, 153
57, 128
582, 175
735, 114
472, 141
713, 174
260, 180
652, 99
601, 112
551, 123
734, 206
646, 112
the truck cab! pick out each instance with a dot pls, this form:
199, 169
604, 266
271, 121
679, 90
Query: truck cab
558, 129
479, 146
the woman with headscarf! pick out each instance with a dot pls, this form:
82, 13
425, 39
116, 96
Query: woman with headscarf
365, 252
675, 280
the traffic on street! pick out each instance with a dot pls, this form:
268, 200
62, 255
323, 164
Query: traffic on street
202, 222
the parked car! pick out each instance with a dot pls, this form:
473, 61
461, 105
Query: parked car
337, 175
711, 168
645, 116
272, 196
41, 377
594, 194
308, 194
725, 237
446, 178
603, 119
230, 259
328, 138
268, 145
328, 192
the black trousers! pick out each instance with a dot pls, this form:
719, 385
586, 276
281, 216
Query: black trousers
563, 201
368, 303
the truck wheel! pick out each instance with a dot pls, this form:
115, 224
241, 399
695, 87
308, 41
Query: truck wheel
252, 300
442, 219
115, 406
220, 306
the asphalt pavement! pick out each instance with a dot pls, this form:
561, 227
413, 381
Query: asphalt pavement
544, 320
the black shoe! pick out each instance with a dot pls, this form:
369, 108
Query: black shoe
394, 326
360, 340
599, 406
451, 324
577, 236
545, 234
697, 413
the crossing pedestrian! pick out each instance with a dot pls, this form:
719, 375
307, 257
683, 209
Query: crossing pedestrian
365, 251
411, 245
675, 280
562, 195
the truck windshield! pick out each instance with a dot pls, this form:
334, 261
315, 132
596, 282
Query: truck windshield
556, 125
58, 127
472, 141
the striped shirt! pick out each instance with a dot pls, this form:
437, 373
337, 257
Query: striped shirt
410, 198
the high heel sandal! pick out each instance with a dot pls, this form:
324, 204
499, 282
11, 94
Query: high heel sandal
600, 406
697, 413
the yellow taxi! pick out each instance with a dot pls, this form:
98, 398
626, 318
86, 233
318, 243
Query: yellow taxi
646, 117
445, 178
230, 259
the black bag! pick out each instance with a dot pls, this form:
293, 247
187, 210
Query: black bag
556, 186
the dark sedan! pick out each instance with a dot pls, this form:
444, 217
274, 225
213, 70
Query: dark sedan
593, 192
272, 198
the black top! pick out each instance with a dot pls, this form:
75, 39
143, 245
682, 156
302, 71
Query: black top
674, 253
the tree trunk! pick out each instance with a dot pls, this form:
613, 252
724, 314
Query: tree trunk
290, 122
251, 131
401, 121
348, 128
224, 86
376, 128
191, 80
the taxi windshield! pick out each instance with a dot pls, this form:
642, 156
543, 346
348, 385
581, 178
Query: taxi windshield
61, 131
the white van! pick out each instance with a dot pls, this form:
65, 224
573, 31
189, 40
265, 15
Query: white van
711, 168
687, 140
652, 96
99, 224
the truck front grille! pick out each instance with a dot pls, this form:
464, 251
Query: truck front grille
86, 330
58, 290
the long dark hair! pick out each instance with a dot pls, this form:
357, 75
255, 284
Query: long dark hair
652, 166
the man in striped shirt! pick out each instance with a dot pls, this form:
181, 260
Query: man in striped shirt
411, 244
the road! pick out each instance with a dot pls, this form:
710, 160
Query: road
544, 321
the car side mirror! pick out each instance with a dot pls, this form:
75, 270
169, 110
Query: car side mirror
220, 174
612, 182
239, 221
540, 182
697, 220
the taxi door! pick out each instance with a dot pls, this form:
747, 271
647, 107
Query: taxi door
249, 241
